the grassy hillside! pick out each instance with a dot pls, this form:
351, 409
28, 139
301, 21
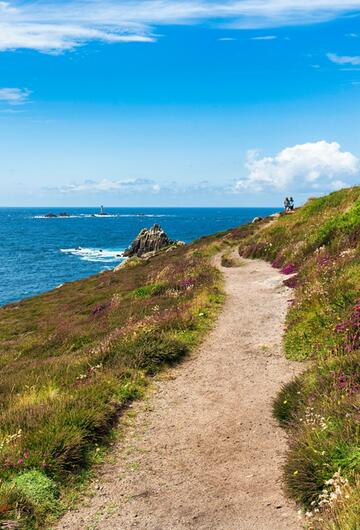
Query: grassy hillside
318, 249
71, 360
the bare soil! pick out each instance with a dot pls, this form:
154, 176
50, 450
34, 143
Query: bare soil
203, 451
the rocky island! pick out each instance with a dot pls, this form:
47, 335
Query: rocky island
150, 240
52, 215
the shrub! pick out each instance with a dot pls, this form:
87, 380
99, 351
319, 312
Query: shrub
149, 352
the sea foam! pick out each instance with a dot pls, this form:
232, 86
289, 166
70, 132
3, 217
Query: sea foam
95, 255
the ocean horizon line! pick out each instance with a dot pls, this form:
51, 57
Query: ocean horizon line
142, 207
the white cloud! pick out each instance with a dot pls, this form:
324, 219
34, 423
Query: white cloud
227, 39
14, 96
344, 59
308, 167
140, 187
137, 185
53, 27
265, 37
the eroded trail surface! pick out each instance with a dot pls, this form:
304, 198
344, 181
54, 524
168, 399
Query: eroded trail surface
203, 452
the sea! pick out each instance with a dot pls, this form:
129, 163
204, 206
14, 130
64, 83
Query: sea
39, 253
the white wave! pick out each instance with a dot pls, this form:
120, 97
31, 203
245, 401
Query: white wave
95, 255
144, 215
97, 215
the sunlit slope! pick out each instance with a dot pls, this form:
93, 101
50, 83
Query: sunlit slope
318, 249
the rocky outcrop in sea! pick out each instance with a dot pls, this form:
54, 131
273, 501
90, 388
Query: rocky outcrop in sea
150, 240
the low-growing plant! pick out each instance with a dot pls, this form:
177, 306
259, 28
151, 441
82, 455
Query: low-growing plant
30, 494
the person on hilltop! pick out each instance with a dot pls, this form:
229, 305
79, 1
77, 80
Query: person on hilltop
291, 204
286, 204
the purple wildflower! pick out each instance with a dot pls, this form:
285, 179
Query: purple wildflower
290, 268
351, 328
346, 383
187, 283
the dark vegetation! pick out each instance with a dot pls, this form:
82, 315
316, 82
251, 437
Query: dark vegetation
318, 250
72, 359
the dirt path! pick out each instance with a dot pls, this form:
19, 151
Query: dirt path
204, 451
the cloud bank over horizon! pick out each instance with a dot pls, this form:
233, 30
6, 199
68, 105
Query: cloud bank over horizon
306, 169
105, 185
52, 27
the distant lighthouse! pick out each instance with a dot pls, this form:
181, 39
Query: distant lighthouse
102, 211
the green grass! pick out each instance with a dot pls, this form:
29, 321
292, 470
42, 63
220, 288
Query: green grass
33, 494
147, 291
72, 359
320, 409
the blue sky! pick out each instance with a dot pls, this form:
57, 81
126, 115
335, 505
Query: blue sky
177, 103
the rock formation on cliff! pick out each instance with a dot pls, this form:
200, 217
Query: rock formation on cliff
150, 240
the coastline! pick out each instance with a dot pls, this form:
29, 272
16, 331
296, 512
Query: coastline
75, 357
46, 254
